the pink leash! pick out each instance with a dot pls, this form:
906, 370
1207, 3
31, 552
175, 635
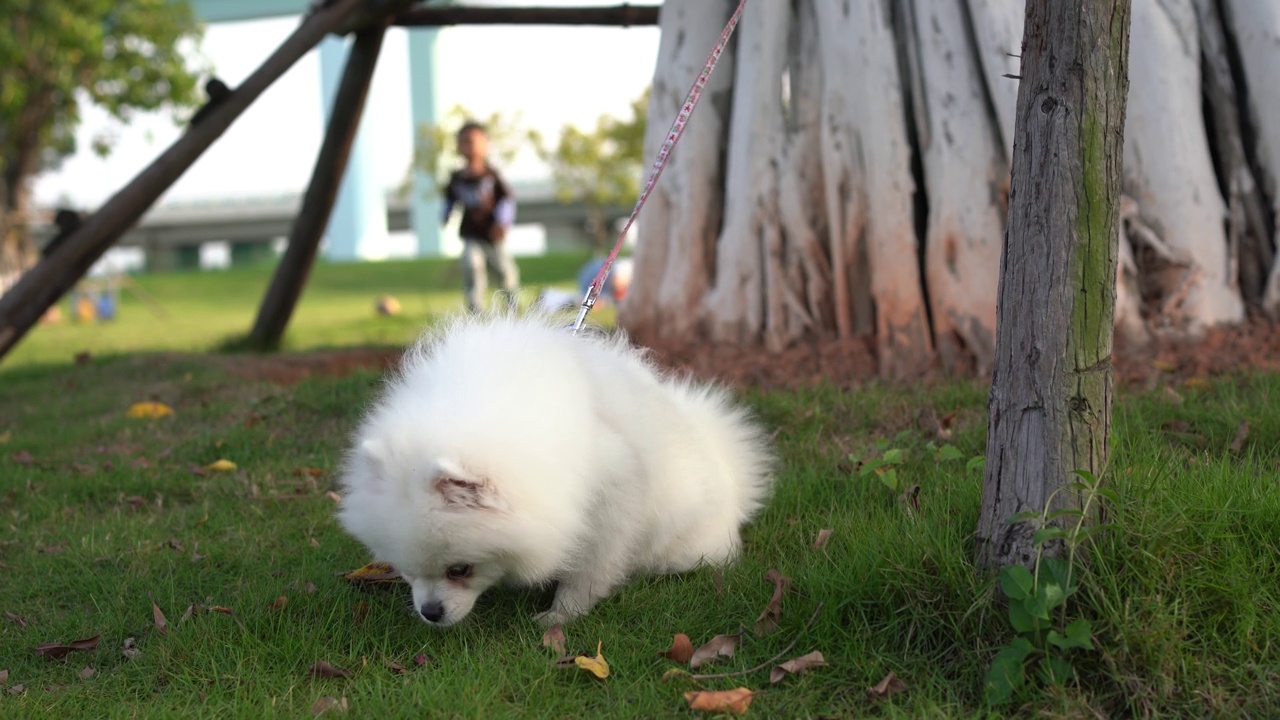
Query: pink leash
677, 129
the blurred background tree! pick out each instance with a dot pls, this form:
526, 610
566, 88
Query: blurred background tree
601, 168
436, 149
57, 55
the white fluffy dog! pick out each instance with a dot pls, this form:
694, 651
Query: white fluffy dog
509, 449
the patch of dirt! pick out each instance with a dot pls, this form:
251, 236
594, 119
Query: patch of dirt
291, 368
845, 363
1254, 345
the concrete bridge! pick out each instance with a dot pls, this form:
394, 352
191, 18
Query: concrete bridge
171, 234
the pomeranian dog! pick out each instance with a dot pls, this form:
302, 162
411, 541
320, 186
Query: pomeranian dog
509, 449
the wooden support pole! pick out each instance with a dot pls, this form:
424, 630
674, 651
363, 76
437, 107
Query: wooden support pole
304, 239
622, 15
41, 286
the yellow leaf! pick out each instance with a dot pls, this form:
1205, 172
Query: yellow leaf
223, 465
597, 665
148, 410
6, 436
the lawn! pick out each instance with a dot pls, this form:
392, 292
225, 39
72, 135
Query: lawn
109, 520
207, 310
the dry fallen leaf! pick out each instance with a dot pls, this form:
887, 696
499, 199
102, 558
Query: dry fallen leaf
22, 457
59, 651
17, 689
221, 465
888, 687
323, 669
681, 649
717, 647
359, 612
772, 613
374, 572
420, 659
280, 602
5, 437
734, 701
910, 498
174, 544
87, 673
148, 410
597, 665
130, 649
310, 587
397, 668
1242, 434
187, 615
821, 541
15, 618
554, 638
946, 424
221, 609
4, 676
674, 672
315, 543
329, 704
161, 624
334, 496
796, 666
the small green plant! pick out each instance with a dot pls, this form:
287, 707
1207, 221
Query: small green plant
885, 467
1046, 641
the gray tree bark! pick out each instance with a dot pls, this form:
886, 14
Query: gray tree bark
1050, 403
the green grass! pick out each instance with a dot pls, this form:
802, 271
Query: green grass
102, 515
206, 310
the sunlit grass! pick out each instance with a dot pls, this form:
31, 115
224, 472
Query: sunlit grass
102, 515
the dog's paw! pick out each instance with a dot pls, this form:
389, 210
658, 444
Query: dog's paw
552, 617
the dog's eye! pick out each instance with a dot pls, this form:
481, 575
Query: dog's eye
458, 572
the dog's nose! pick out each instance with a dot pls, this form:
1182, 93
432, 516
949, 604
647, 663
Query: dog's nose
432, 611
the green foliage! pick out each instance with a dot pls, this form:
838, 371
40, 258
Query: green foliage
892, 457
1034, 599
121, 55
601, 167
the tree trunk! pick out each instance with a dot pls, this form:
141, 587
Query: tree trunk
866, 161
1050, 403
853, 177
1256, 28
965, 170
1170, 174
1247, 216
681, 221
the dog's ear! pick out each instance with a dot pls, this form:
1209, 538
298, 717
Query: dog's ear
462, 494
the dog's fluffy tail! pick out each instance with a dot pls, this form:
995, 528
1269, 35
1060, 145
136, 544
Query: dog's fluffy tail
743, 442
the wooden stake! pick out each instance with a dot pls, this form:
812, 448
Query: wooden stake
617, 15
313, 217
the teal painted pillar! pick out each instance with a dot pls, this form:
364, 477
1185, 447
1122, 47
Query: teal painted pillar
358, 226
425, 205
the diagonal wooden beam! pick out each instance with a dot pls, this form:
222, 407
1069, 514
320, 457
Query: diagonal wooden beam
618, 15
317, 204
41, 286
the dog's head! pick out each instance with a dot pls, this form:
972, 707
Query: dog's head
450, 532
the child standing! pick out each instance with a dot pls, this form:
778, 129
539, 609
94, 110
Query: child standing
488, 211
